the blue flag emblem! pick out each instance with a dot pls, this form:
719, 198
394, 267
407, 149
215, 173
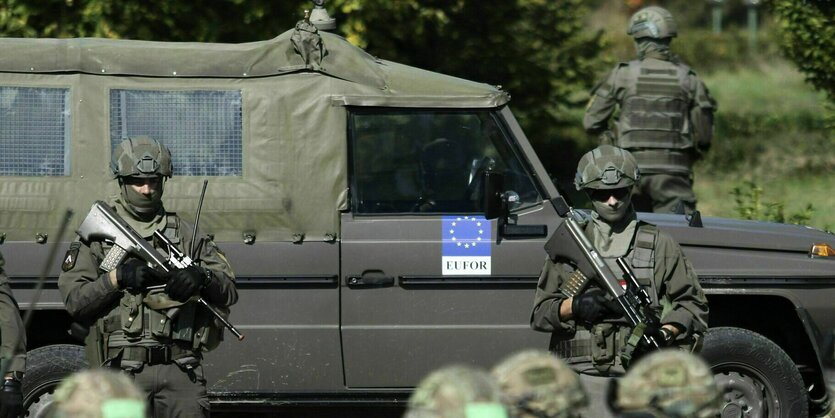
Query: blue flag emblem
465, 245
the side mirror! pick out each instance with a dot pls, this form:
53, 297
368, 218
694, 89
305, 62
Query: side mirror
493, 205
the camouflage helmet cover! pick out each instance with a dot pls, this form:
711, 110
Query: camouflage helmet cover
652, 22
670, 383
456, 392
538, 384
606, 167
141, 156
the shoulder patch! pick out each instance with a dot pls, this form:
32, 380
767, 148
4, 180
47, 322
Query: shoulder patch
71, 257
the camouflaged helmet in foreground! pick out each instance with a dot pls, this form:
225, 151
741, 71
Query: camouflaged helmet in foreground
669, 383
456, 392
141, 156
606, 167
652, 22
537, 384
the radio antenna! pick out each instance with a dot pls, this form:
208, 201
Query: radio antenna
197, 218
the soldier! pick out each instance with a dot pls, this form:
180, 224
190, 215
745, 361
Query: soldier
587, 330
12, 349
536, 384
456, 392
666, 384
156, 337
666, 114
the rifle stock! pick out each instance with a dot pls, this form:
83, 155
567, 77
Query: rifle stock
104, 224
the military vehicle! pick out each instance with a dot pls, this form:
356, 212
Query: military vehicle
347, 192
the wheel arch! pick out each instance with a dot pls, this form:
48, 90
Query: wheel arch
782, 320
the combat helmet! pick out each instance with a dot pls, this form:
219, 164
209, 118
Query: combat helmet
668, 383
652, 22
606, 167
536, 384
456, 392
141, 156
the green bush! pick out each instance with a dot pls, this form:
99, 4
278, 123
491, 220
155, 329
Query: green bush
750, 205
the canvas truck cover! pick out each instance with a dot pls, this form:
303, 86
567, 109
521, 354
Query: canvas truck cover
287, 117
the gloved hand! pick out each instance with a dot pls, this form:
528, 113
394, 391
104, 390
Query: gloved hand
664, 336
185, 283
135, 275
11, 399
592, 306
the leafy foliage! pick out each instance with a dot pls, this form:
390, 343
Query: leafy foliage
807, 29
750, 205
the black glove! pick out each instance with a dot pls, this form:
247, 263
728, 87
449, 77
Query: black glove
591, 306
11, 399
135, 275
663, 336
187, 282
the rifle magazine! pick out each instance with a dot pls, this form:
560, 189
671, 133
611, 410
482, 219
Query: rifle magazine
113, 258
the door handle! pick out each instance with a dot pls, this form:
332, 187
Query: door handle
370, 278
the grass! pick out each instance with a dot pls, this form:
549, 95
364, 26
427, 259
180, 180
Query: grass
770, 131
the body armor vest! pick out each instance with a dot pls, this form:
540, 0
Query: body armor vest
602, 344
655, 106
147, 321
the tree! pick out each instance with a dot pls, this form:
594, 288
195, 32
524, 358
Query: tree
807, 30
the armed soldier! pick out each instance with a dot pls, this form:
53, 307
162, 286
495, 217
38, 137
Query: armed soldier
156, 337
666, 115
12, 349
587, 329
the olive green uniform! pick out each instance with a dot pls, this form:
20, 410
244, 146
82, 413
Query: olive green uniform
159, 345
666, 122
12, 332
595, 353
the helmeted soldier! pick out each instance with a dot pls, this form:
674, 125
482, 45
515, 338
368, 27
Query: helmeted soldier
536, 384
155, 335
456, 392
97, 393
666, 114
12, 349
587, 330
666, 384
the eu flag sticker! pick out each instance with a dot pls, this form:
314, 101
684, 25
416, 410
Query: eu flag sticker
465, 248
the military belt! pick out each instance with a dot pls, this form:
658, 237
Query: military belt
161, 354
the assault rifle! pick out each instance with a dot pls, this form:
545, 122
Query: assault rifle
102, 223
570, 243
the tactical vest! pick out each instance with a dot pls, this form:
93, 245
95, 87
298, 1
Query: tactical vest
604, 344
148, 328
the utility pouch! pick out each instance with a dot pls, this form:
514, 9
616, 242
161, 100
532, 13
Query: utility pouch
182, 328
603, 346
131, 313
209, 330
159, 323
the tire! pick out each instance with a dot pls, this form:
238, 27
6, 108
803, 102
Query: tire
45, 368
757, 378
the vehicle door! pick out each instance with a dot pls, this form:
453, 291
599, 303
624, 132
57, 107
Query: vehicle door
424, 281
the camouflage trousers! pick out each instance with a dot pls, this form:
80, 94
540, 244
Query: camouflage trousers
665, 193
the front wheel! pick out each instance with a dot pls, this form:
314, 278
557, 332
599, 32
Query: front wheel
46, 367
757, 378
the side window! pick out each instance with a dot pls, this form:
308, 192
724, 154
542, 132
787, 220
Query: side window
429, 161
203, 128
34, 131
